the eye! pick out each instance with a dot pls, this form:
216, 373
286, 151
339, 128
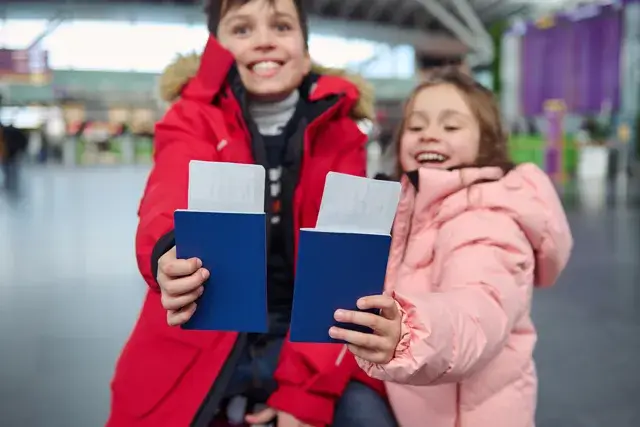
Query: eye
450, 128
240, 30
283, 27
414, 128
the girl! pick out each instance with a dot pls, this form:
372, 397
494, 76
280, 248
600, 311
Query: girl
472, 237
252, 97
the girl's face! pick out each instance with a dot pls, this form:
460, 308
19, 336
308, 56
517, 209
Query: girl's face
440, 130
268, 45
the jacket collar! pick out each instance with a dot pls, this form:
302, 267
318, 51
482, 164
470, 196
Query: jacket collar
215, 64
430, 186
525, 194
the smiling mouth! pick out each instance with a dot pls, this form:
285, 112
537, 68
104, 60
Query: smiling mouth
266, 68
431, 158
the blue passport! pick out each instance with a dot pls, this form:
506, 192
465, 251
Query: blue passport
232, 246
333, 271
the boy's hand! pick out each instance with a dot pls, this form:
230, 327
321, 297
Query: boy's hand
180, 283
268, 414
380, 346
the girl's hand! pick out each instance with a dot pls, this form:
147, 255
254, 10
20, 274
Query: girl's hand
380, 346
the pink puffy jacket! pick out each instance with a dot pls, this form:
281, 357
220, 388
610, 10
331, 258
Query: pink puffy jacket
465, 256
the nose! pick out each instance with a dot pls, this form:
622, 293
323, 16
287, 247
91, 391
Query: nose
430, 134
264, 39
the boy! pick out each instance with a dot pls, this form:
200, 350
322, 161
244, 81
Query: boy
251, 98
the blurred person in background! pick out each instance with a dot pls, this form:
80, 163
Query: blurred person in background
55, 133
586, 132
252, 97
13, 144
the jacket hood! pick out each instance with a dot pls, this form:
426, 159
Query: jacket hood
526, 194
211, 67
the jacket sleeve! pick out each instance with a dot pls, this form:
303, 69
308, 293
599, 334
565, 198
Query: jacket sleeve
486, 282
353, 159
179, 138
311, 377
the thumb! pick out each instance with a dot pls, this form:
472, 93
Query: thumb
262, 417
390, 311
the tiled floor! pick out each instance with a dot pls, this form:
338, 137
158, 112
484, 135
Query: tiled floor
70, 292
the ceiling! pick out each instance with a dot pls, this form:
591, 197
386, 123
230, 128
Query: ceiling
465, 20
429, 24
406, 14
411, 13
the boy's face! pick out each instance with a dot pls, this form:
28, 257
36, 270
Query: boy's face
268, 44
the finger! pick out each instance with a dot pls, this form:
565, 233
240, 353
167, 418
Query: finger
183, 285
386, 304
370, 320
179, 317
288, 420
168, 256
369, 355
262, 417
369, 341
173, 267
176, 303
392, 312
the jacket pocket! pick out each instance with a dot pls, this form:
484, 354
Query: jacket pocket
148, 371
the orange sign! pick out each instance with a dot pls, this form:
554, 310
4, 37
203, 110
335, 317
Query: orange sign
546, 22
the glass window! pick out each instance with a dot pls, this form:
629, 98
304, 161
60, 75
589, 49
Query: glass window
121, 46
150, 47
338, 52
391, 62
18, 34
373, 60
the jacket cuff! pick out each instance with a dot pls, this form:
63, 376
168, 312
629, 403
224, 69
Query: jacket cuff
162, 246
313, 409
405, 331
378, 371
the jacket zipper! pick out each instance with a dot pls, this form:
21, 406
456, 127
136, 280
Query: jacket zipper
209, 408
211, 403
409, 228
341, 355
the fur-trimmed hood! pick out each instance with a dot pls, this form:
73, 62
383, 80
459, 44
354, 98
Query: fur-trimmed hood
176, 75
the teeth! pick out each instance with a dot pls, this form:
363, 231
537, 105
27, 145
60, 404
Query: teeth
430, 157
265, 66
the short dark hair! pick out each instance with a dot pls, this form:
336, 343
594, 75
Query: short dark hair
217, 9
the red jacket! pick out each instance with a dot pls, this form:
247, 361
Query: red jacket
164, 374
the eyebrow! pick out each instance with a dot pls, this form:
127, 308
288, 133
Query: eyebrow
279, 14
444, 114
247, 17
230, 17
419, 113
230, 20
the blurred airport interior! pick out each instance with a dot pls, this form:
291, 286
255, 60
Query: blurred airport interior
79, 100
